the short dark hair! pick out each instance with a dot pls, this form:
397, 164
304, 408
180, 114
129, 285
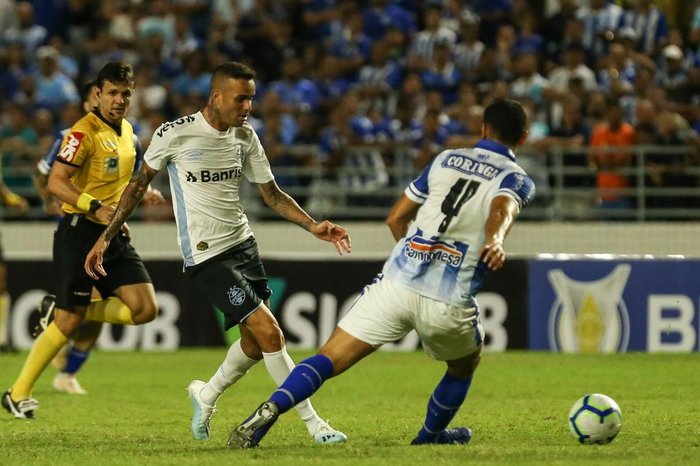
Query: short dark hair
116, 72
87, 90
507, 120
233, 69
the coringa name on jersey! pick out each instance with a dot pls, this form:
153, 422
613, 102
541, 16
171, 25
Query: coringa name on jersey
469, 166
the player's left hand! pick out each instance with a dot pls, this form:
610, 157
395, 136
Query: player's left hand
153, 196
493, 255
336, 234
93, 262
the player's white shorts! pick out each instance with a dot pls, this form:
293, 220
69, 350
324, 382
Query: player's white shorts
386, 312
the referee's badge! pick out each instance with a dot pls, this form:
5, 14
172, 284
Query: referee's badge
236, 296
111, 165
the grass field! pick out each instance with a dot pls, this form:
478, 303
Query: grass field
137, 412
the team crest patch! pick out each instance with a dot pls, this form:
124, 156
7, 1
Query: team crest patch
71, 146
111, 165
239, 150
236, 296
202, 246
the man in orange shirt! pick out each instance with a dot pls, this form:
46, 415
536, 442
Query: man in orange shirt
611, 162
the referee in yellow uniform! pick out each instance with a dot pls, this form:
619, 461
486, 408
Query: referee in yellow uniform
95, 163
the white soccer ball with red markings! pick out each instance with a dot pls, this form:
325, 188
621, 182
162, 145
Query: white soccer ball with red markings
595, 419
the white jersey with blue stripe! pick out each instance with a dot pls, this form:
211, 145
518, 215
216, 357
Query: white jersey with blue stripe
46, 162
439, 256
205, 167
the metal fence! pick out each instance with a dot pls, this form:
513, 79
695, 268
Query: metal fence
664, 184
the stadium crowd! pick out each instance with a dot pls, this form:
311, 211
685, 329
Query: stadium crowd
368, 90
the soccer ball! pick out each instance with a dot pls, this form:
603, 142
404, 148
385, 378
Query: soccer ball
595, 419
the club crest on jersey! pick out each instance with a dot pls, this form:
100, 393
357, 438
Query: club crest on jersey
202, 246
238, 148
428, 250
111, 165
236, 296
71, 146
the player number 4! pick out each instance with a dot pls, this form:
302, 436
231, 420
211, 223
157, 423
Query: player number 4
453, 201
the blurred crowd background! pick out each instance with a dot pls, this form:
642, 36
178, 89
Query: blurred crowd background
355, 97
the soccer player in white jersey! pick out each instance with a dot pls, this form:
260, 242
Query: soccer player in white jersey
450, 225
206, 154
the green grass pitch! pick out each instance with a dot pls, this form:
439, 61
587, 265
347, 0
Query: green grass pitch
137, 412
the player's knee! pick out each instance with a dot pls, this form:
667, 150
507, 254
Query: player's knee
270, 338
144, 313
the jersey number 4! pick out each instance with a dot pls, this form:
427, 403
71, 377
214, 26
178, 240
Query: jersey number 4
460, 192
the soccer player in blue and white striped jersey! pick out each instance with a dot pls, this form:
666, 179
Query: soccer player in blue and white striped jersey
450, 225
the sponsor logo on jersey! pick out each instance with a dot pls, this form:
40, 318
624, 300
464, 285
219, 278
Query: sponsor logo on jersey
71, 146
171, 124
469, 166
209, 176
589, 317
111, 165
427, 250
236, 296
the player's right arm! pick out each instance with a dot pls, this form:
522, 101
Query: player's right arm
504, 210
130, 198
401, 216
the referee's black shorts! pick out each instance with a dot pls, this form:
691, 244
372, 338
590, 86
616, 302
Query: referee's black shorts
72, 241
234, 281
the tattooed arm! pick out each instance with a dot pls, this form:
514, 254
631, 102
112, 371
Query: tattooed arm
130, 198
287, 207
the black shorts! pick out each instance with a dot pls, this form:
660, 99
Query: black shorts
72, 241
234, 282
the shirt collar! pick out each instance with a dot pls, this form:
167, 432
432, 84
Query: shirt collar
493, 146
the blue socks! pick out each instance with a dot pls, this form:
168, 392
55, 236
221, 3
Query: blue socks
76, 359
304, 380
442, 406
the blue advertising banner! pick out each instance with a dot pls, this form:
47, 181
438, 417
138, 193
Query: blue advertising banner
605, 306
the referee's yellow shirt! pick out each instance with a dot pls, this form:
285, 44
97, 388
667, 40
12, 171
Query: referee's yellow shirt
104, 157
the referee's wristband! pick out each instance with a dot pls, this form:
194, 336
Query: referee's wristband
84, 202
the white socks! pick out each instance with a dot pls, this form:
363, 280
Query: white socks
279, 365
233, 368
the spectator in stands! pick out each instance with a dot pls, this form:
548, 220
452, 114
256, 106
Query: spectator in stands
378, 79
613, 160
16, 83
529, 83
554, 26
297, 93
468, 50
650, 25
351, 45
442, 75
601, 19
421, 50
557, 89
379, 15
26, 31
53, 88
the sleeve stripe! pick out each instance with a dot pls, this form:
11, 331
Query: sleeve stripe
67, 163
413, 194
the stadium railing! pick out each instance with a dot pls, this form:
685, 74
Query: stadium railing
566, 185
